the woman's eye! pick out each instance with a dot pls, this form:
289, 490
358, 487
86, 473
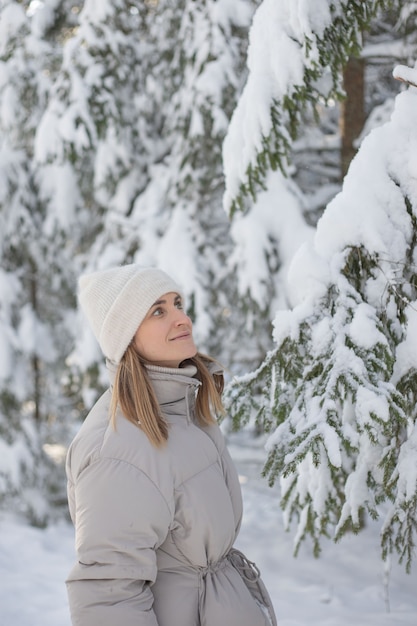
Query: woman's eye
179, 304
157, 312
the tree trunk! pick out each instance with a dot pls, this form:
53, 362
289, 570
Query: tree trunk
352, 115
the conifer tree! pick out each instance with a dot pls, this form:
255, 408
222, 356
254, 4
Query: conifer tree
273, 195
31, 363
339, 386
316, 42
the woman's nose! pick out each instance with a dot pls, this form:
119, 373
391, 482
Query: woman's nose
181, 317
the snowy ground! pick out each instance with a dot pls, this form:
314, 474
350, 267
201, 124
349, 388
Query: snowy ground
347, 585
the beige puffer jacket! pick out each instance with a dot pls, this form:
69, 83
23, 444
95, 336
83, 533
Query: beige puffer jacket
155, 527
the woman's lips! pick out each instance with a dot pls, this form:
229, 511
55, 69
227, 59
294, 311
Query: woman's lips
186, 335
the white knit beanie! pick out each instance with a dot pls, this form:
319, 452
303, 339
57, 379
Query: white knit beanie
117, 300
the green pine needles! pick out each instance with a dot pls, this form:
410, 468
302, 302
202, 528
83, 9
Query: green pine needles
339, 423
323, 55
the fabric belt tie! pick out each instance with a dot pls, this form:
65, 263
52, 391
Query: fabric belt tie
247, 569
212, 567
250, 575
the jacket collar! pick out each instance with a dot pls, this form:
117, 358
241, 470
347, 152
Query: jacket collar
175, 388
172, 385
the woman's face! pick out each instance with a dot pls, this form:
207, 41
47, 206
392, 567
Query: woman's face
165, 337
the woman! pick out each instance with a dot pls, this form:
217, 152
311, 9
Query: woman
152, 490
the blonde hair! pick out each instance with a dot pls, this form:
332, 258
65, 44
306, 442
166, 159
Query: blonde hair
133, 392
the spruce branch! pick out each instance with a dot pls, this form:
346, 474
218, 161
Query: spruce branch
328, 52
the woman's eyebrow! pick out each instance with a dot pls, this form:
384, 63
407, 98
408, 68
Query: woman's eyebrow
162, 301
158, 302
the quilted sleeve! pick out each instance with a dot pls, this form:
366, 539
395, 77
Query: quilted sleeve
120, 519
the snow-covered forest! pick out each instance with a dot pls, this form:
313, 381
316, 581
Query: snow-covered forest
263, 152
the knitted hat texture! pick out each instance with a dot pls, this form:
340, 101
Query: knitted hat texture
116, 301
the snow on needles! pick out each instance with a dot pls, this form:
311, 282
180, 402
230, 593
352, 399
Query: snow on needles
275, 220
276, 62
370, 210
359, 339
